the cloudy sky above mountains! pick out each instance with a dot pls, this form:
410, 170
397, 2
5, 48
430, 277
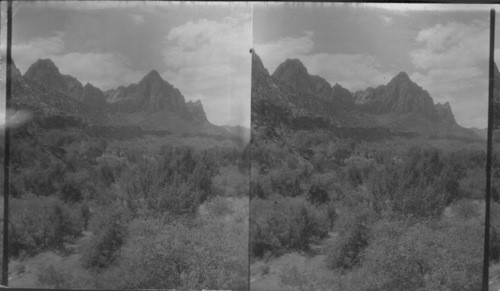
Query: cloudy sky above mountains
202, 49
443, 48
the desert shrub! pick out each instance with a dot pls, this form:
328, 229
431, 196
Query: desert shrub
36, 180
219, 206
109, 233
175, 255
422, 185
109, 169
74, 185
282, 223
465, 209
40, 223
403, 256
353, 227
473, 184
54, 277
317, 195
300, 280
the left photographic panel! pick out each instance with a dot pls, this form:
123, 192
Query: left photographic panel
129, 159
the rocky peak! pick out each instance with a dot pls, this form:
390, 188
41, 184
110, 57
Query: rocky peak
444, 112
401, 95
151, 94
14, 70
46, 74
92, 96
293, 73
290, 69
402, 77
321, 87
257, 65
342, 94
42, 66
196, 110
152, 77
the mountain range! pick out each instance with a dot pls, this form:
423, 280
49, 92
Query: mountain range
151, 105
291, 97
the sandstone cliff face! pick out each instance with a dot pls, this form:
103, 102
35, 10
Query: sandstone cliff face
445, 114
293, 98
92, 96
295, 74
196, 111
400, 95
46, 74
152, 104
151, 94
257, 65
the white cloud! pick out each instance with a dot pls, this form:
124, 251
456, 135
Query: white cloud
210, 60
103, 70
353, 71
452, 45
137, 19
387, 20
26, 53
452, 62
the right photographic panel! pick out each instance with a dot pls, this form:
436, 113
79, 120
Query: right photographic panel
368, 148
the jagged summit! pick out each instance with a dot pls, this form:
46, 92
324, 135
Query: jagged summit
46, 74
401, 95
14, 70
152, 104
196, 110
42, 65
445, 113
402, 76
152, 76
257, 65
290, 68
295, 74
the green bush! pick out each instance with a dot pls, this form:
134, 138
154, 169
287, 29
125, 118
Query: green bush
219, 206
40, 223
174, 255
282, 223
403, 256
353, 228
109, 233
54, 277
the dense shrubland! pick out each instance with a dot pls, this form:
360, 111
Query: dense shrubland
173, 217
405, 217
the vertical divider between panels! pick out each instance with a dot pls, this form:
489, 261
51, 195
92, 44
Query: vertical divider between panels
5, 261
488, 153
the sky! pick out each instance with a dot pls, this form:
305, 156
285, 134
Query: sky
443, 48
200, 48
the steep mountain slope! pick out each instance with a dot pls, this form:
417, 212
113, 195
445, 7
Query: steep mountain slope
295, 74
152, 105
29, 93
293, 97
151, 94
275, 105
